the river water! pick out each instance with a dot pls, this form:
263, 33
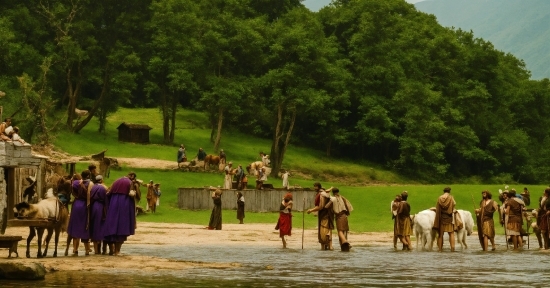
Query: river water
363, 266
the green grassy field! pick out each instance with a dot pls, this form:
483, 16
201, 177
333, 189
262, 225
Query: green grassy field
371, 202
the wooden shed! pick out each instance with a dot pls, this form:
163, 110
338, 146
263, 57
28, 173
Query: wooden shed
138, 133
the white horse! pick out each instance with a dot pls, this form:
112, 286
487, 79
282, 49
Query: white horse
422, 225
48, 209
466, 229
424, 221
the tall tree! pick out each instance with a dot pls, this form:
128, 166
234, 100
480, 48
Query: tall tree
176, 55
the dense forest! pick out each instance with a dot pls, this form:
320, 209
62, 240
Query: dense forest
368, 80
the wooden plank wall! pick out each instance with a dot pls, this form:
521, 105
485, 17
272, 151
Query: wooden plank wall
267, 200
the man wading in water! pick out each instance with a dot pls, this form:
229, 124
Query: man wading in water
444, 218
325, 217
486, 210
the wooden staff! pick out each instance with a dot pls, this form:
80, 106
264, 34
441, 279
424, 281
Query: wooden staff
303, 221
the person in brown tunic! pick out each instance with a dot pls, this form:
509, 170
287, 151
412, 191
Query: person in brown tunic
487, 208
444, 221
403, 221
514, 210
542, 216
394, 205
341, 208
325, 217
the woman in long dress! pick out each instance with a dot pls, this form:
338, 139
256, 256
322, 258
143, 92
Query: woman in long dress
216, 216
284, 225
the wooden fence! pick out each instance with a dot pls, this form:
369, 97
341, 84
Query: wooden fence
267, 200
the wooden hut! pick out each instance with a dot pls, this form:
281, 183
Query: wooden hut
17, 166
138, 133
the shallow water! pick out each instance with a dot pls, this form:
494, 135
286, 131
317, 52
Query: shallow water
363, 266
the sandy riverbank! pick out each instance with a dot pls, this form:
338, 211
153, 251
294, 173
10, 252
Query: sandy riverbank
260, 235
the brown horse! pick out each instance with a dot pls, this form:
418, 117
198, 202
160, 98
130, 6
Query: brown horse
211, 160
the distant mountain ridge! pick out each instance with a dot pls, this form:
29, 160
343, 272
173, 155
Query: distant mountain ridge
520, 27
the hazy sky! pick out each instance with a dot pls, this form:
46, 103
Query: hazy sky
315, 5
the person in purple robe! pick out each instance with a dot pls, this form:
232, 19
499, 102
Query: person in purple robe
120, 221
79, 220
98, 212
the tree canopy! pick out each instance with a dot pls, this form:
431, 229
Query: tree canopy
367, 80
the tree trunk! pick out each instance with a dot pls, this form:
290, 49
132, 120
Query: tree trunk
165, 118
278, 147
97, 103
329, 145
73, 92
173, 120
219, 132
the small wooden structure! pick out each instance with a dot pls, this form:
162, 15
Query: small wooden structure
267, 200
10, 242
138, 133
17, 163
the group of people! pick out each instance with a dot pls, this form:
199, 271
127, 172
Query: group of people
9, 133
104, 215
447, 219
330, 210
153, 196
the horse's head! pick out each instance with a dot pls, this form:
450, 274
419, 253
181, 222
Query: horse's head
22, 209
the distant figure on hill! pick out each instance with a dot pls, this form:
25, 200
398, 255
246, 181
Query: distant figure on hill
201, 154
181, 154
285, 176
223, 157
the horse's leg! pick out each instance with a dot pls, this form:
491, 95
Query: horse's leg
40, 234
69, 238
56, 239
47, 242
32, 233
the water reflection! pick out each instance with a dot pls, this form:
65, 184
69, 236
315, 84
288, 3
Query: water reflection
364, 266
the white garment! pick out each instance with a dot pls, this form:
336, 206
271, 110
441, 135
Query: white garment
227, 181
285, 180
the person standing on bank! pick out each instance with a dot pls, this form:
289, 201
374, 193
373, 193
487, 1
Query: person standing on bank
120, 221
444, 221
285, 176
223, 157
341, 208
284, 224
240, 207
216, 216
78, 228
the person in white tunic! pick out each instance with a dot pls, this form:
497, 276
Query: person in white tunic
228, 176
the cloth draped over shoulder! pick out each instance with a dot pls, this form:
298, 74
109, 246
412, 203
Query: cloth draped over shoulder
403, 225
444, 211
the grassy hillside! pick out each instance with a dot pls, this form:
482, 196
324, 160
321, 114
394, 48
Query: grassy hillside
192, 131
371, 203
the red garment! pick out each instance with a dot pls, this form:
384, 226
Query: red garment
285, 224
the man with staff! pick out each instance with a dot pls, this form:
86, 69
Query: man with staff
486, 224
